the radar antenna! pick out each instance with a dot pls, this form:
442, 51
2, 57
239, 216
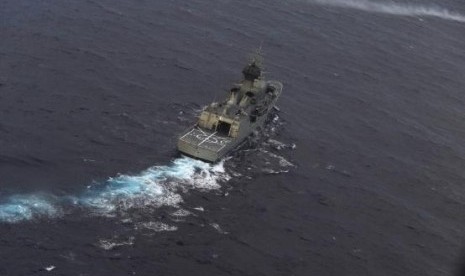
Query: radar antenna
254, 69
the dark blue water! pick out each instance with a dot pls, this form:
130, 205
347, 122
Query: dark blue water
360, 173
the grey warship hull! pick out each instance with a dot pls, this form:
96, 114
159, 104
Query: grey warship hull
223, 126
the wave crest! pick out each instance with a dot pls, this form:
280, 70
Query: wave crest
395, 8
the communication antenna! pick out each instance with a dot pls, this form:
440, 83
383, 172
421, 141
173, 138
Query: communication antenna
258, 55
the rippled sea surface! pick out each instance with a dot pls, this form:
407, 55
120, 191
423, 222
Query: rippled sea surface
361, 172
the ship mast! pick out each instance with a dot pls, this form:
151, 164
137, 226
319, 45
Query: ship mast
252, 71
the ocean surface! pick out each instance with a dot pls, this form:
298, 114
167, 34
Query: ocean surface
361, 172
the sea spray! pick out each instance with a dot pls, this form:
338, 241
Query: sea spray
394, 8
17, 208
154, 187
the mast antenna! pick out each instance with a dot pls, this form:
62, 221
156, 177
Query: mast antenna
257, 56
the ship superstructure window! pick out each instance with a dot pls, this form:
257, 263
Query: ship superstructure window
223, 128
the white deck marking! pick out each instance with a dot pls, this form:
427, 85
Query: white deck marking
222, 147
187, 134
201, 131
206, 139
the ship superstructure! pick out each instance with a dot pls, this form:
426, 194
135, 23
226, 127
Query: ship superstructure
224, 125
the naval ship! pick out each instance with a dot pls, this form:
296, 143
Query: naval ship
222, 126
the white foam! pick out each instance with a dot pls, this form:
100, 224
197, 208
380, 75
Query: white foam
277, 144
154, 187
25, 207
394, 8
112, 243
181, 213
218, 228
283, 162
50, 268
156, 226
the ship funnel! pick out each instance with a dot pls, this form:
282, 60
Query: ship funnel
233, 96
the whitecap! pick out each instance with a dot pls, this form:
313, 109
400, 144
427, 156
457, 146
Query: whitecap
155, 187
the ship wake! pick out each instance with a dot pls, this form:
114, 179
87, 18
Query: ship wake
395, 8
155, 187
